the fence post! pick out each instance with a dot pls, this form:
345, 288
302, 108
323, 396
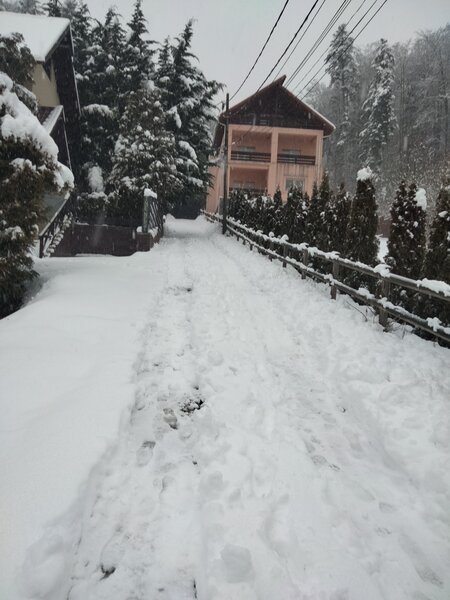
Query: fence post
385, 291
335, 277
305, 260
271, 247
285, 250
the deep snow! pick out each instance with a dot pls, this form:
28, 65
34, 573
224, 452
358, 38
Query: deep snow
199, 422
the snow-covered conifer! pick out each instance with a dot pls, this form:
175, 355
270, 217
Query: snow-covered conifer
344, 82
31, 7
437, 263
53, 8
28, 167
338, 218
362, 241
407, 240
187, 97
145, 156
378, 110
138, 63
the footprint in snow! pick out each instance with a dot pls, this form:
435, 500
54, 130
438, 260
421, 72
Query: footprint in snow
145, 453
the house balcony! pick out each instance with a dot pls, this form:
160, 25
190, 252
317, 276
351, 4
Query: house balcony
251, 156
296, 159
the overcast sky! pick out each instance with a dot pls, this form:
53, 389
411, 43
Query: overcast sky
229, 33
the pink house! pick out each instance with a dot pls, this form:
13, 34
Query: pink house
275, 140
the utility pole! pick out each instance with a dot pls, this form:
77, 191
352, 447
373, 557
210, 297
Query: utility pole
225, 169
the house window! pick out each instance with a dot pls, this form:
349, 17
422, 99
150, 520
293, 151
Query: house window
264, 120
292, 182
291, 151
245, 148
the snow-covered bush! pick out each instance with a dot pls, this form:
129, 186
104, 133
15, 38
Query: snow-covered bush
145, 156
407, 240
28, 167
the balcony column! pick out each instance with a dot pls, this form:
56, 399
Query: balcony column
273, 167
319, 152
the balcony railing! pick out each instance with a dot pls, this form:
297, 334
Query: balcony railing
249, 191
296, 159
248, 155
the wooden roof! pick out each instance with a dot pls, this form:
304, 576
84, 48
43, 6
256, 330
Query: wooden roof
278, 104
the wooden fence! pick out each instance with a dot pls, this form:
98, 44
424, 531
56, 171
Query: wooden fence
299, 256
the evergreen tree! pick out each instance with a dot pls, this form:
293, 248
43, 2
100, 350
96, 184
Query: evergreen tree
53, 8
317, 226
110, 77
144, 156
301, 220
138, 63
31, 7
338, 220
437, 263
16, 59
378, 109
28, 168
69, 8
81, 25
187, 97
344, 77
362, 241
289, 213
407, 240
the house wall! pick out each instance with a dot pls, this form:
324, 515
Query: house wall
261, 142
44, 88
273, 174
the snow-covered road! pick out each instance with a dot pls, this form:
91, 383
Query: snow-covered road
276, 446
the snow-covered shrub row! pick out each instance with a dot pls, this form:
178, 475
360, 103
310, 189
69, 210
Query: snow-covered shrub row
335, 222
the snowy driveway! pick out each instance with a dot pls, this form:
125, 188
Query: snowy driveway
276, 445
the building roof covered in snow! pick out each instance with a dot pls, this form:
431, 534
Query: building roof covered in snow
41, 34
275, 106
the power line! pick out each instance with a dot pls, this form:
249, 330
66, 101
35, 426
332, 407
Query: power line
262, 49
326, 49
321, 38
300, 39
290, 43
344, 49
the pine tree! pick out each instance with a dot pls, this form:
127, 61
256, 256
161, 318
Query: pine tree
301, 219
407, 240
317, 226
110, 76
362, 241
53, 8
144, 156
378, 109
138, 63
187, 97
437, 263
338, 220
289, 213
31, 7
69, 8
28, 168
343, 71
81, 25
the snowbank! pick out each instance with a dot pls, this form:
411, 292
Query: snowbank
65, 367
